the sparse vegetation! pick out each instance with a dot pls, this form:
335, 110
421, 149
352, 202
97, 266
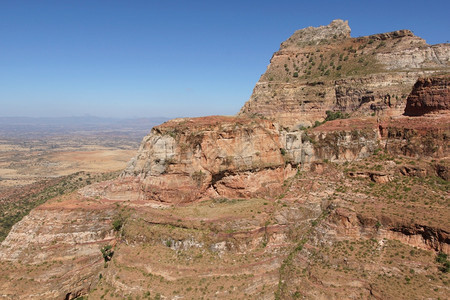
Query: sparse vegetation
198, 177
335, 115
107, 252
442, 259
20, 203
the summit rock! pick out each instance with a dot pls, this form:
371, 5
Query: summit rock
324, 69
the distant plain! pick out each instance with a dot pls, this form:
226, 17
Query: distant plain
34, 149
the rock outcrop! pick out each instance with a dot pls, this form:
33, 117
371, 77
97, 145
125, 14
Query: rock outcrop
429, 95
320, 69
184, 159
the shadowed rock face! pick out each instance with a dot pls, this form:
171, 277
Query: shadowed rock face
429, 95
323, 68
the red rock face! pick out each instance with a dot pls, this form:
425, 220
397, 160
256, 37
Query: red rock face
185, 159
323, 68
429, 95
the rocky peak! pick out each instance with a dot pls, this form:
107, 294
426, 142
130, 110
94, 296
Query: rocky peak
337, 29
324, 69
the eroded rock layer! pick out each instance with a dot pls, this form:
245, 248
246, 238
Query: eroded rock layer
320, 69
53, 253
181, 160
429, 95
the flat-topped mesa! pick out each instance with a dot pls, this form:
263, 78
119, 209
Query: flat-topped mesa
323, 68
429, 95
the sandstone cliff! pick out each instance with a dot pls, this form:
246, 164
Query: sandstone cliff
244, 208
320, 69
185, 160
429, 95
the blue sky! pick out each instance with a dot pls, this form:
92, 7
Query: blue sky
167, 58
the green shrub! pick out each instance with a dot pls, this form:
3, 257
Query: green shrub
335, 115
118, 223
382, 44
107, 252
442, 258
317, 123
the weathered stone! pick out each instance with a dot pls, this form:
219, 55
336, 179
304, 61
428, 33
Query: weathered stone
183, 158
429, 95
323, 68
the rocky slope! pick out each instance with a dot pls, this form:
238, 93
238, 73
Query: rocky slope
323, 68
245, 208
53, 253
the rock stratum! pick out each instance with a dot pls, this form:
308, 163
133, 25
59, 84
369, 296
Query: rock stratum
429, 95
261, 205
323, 68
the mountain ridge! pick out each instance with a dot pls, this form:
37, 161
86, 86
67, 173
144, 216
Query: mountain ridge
311, 74
266, 204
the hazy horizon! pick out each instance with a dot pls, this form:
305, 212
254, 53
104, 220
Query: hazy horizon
173, 58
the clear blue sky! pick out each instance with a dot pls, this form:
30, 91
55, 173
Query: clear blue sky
167, 58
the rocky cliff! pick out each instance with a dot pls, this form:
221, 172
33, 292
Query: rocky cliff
320, 69
245, 207
183, 159
429, 95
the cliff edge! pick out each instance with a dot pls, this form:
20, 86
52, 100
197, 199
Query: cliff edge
324, 69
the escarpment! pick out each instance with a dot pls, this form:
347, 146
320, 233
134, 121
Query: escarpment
323, 68
331, 183
185, 160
